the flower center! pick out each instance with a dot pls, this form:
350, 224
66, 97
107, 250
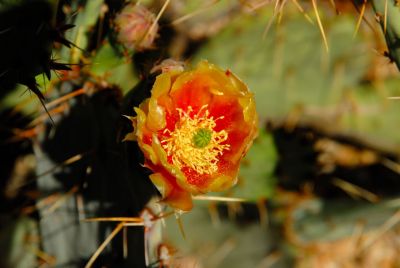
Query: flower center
194, 143
202, 137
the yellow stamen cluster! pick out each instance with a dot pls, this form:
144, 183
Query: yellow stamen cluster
181, 143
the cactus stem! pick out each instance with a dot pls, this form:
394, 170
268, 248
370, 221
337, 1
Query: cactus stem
355, 191
385, 17
180, 225
48, 259
151, 28
301, 9
119, 219
389, 224
333, 4
65, 98
104, 244
218, 198
360, 18
194, 13
277, 9
321, 28
125, 242
60, 200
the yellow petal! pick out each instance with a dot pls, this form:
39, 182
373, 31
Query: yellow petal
161, 184
161, 86
221, 183
156, 116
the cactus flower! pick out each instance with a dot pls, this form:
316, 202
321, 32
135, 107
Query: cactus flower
194, 130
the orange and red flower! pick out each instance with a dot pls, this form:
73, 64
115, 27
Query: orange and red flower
194, 130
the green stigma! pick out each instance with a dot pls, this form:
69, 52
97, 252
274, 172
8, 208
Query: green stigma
202, 137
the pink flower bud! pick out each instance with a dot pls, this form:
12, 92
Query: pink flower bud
136, 27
